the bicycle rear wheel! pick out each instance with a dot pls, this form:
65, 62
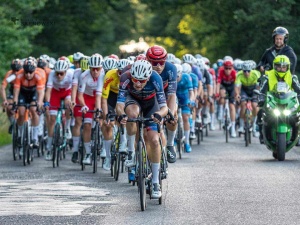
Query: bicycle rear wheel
15, 147
25, 144
95, 148
56, 137
118, 158
141, 179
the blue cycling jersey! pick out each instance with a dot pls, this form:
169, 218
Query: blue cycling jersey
154, 87
195, 81
169, 78
184, 86
196, 70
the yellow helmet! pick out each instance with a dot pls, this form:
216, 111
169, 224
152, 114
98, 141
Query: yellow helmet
84, 63
70, 57
280, 62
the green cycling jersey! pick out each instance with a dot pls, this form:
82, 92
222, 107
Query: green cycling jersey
242, 80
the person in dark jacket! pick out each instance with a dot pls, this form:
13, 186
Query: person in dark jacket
280, 37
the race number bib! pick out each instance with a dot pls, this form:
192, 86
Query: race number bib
282, 87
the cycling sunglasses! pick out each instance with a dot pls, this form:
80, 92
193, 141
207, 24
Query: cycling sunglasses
158, 63
28, 71
60, 74
95, 69
138, 81
246, 71
228, 68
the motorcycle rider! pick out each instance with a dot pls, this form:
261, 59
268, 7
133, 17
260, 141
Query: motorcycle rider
280, 37
280, 72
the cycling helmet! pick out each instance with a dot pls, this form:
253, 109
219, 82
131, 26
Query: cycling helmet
156, 52
253, 63
281, 60
131, 58
61, 66
84, 63
177, 61
45, 57
198, 56
41, 63
228, 62
141, 57
51, 63
113, 56
64, 58
95, 61
16, 64
70, 57
200, 63
29, 65
186, 68
206, 61
280, 31
247, 65
141, 70
220, 62
238, 64
179, 69
123, 63
188, 58
110, 63
77, 56
227, 57
171, 58
215, 66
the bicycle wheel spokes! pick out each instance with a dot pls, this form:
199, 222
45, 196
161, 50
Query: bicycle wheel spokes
141, 178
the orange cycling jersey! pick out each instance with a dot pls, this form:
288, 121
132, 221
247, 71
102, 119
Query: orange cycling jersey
47, 72
4, 82
38, 80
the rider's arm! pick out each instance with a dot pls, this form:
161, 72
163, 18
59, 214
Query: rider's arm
295, 84
48, 94
171, 102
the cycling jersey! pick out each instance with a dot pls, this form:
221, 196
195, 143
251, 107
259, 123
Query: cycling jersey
169, 78
111, 83
36, 83
207, 78
224, 79
76, 75
196, 70
194, 81
154, 87
63, 85
247, 82
89, 85
184, 86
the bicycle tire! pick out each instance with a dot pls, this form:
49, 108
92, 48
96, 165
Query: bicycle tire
226, 126
141, 179
15, 147
198, 133
160, 183
118, 158
178, 139
25, 143
95, 148
56, 142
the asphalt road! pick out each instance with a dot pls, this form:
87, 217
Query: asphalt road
217, 183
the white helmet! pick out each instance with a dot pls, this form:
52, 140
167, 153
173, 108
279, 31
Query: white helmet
141, 70
186, 68
52, 62
227, 57
188, 58
122, 63
177, 61
95, 61
206, 61
110, 63
238, 63
179, 69
200, 63
131, 58
198, 56
45, 57
253, 64
61, 66
171, 58
247, 65
77, 56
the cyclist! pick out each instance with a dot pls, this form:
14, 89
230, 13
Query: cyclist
246, 82
280, 72
89, 97
76, 59
108, 102
84, 65
58, 87
225, 83
29, 88
141, 91
186, 99
280, 37
9, 78
109, 64
157, 56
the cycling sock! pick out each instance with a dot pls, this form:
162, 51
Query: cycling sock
123, 136
87, 146
233, 123
68, 124
213, 116
75, 143
192, 125
35, 131
187, 136
254, 120
155, 172
49, 143
20, 130
242, 122
107, 146
170, 138
131, 142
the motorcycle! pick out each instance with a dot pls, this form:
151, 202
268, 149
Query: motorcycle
280, 120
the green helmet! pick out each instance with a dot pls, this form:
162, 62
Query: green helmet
279, 62
84, 63
70, 57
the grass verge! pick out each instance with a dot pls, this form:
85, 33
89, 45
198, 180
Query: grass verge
5, 137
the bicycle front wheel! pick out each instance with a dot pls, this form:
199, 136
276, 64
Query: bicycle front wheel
15, 147
25, 144
141, 179
56, 138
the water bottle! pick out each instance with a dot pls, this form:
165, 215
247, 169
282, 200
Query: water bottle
131, 174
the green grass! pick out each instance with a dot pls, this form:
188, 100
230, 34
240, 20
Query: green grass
5, 137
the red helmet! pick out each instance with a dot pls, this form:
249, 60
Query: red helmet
141, 57
228, 62
156, 53
113, 56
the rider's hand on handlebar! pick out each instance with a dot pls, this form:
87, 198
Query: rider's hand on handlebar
122, 119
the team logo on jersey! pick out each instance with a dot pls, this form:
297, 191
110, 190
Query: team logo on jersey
107, 81
171, 74
125, 83
156, 84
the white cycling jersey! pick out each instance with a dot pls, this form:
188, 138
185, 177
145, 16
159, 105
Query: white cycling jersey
65, 84
76, 75
89, 85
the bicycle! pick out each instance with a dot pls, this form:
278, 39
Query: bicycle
59, 143
248, 117
226, 118
179, 138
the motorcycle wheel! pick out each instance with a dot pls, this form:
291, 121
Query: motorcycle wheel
281, 146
